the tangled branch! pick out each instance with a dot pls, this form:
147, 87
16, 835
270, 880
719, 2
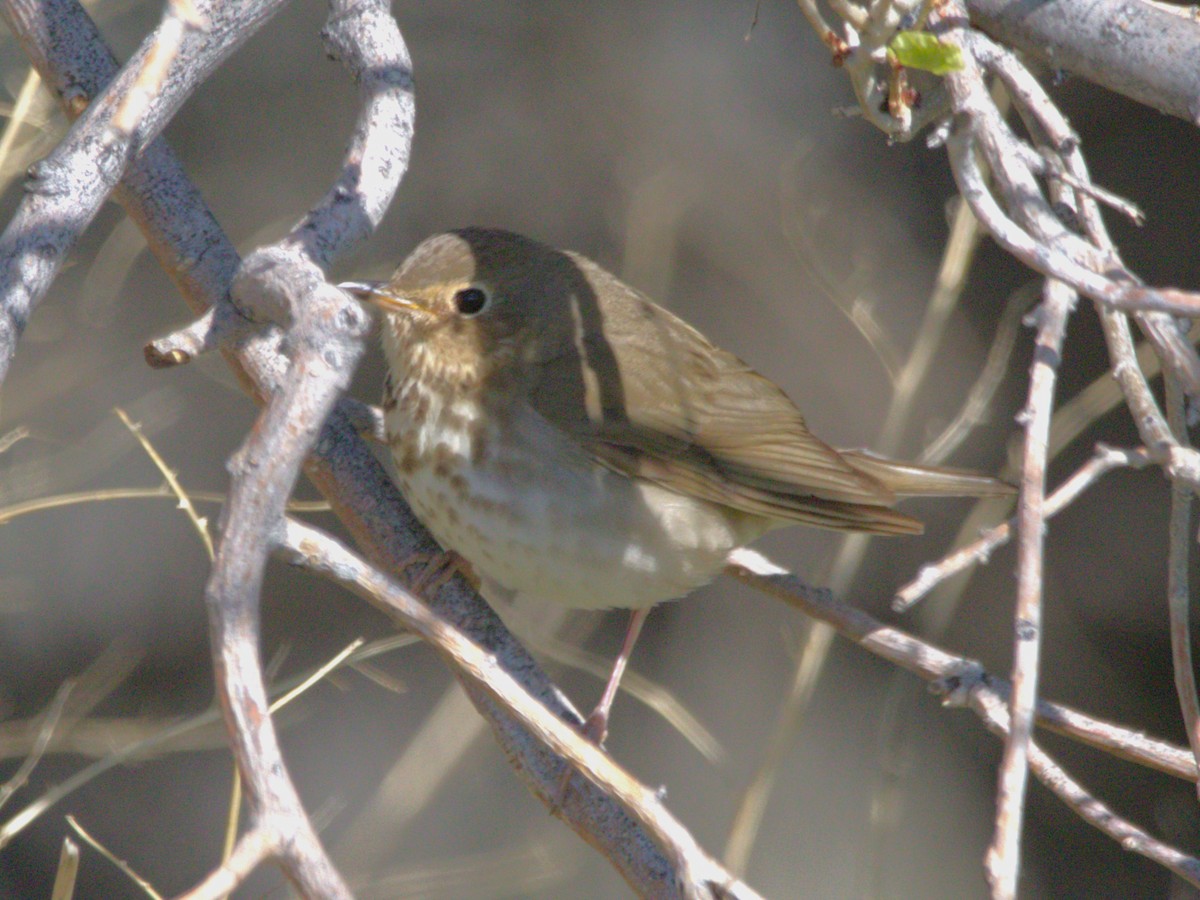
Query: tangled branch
1034, 196
1029, 186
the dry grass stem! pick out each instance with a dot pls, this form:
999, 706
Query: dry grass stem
68, 870
143, 885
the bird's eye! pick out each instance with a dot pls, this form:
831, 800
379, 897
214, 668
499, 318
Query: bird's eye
470, 301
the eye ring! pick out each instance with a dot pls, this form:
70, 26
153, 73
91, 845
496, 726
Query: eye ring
471, 301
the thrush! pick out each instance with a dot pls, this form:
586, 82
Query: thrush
576, 442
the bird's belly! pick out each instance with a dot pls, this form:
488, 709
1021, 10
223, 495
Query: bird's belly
584, 536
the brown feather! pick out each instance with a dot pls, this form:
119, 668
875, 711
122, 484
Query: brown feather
654, 399
907, 479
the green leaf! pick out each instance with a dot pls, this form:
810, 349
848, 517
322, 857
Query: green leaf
921, 50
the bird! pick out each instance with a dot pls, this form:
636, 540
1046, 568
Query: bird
577, 443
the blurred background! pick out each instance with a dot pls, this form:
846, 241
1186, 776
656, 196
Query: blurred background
703, 158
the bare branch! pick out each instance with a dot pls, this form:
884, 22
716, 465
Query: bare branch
1179, 596
694, 872
368, 181
1004, 856
152, 77
1062, 159
284, 284
220, 326
979, 399
65, 190
191, 247
1141, 50
1091, 810
1029, 228
947, 672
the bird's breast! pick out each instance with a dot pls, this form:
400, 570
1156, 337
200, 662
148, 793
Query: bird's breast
531, 511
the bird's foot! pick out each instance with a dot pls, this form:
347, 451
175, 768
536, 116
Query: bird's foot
435, 569
593, 730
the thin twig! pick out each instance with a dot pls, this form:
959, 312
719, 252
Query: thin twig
1004, 855
1179, 598
979, 399
199, 522
49, 719
332, 663
1091, 810
957, 257
747, 821
107, 495
1105, 460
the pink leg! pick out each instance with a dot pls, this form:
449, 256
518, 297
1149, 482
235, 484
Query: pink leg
596, 726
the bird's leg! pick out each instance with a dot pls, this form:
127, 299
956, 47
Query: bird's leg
595, 728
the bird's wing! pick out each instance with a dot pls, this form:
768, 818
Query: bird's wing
648, 395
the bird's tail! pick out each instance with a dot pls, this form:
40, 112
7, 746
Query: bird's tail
914, 480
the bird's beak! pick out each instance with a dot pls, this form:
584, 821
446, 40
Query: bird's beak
377, 294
